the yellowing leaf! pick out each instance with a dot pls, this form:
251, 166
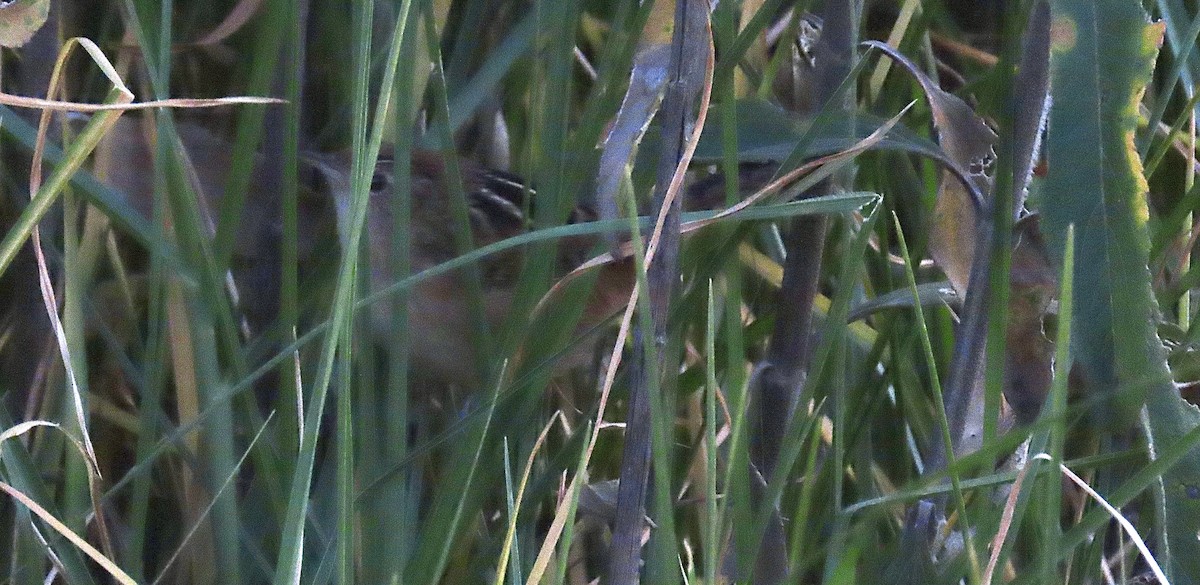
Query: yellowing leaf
660, 24
20, 19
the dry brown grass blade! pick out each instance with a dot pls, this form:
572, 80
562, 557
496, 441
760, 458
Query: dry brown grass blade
1006, 517
625, 251
123, 95
122, 99
614, 361
511, 532
89, 550
1126, 525
101, 559
18, 101
233, 22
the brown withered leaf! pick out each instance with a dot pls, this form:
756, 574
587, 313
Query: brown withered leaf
1028, 365
952, 234
961, 242
659, 25
969, 142
962, 133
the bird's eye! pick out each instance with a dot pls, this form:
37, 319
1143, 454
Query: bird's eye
379, 181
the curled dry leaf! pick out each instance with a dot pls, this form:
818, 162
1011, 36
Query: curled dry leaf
969, 142
646, 83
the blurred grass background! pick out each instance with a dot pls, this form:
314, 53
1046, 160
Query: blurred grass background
217, 463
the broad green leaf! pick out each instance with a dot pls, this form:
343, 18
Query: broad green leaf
1171, 420
1104, 51
1095, 182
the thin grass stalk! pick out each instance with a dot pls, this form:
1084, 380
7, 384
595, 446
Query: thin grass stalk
164, 571
1048, 437
624, 553
46, 196
802, 533
791, 444
1088, 463
613, 69
712, 519
276, 63
76, 278
1056, 411
345, 536
1155, 156
789, 351
192, 241
213, 331
291, 550
837, 377
218, 343
689, 79
265, 65
908, 10
736, 503
470, 472
691, 37
53, 523
548, 145
467, 40
395, 506
471, 277
508, 569
1002, 219
363, 158
441, 542
746, 38
151, 392
664, 559
549, 125
80, 475
510, 551
567, 540
290, 388
155, 356
947, 443
782, 380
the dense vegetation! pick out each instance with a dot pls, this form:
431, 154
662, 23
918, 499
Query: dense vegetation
917, 306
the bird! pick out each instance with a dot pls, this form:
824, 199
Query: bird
439, 313
440, 323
